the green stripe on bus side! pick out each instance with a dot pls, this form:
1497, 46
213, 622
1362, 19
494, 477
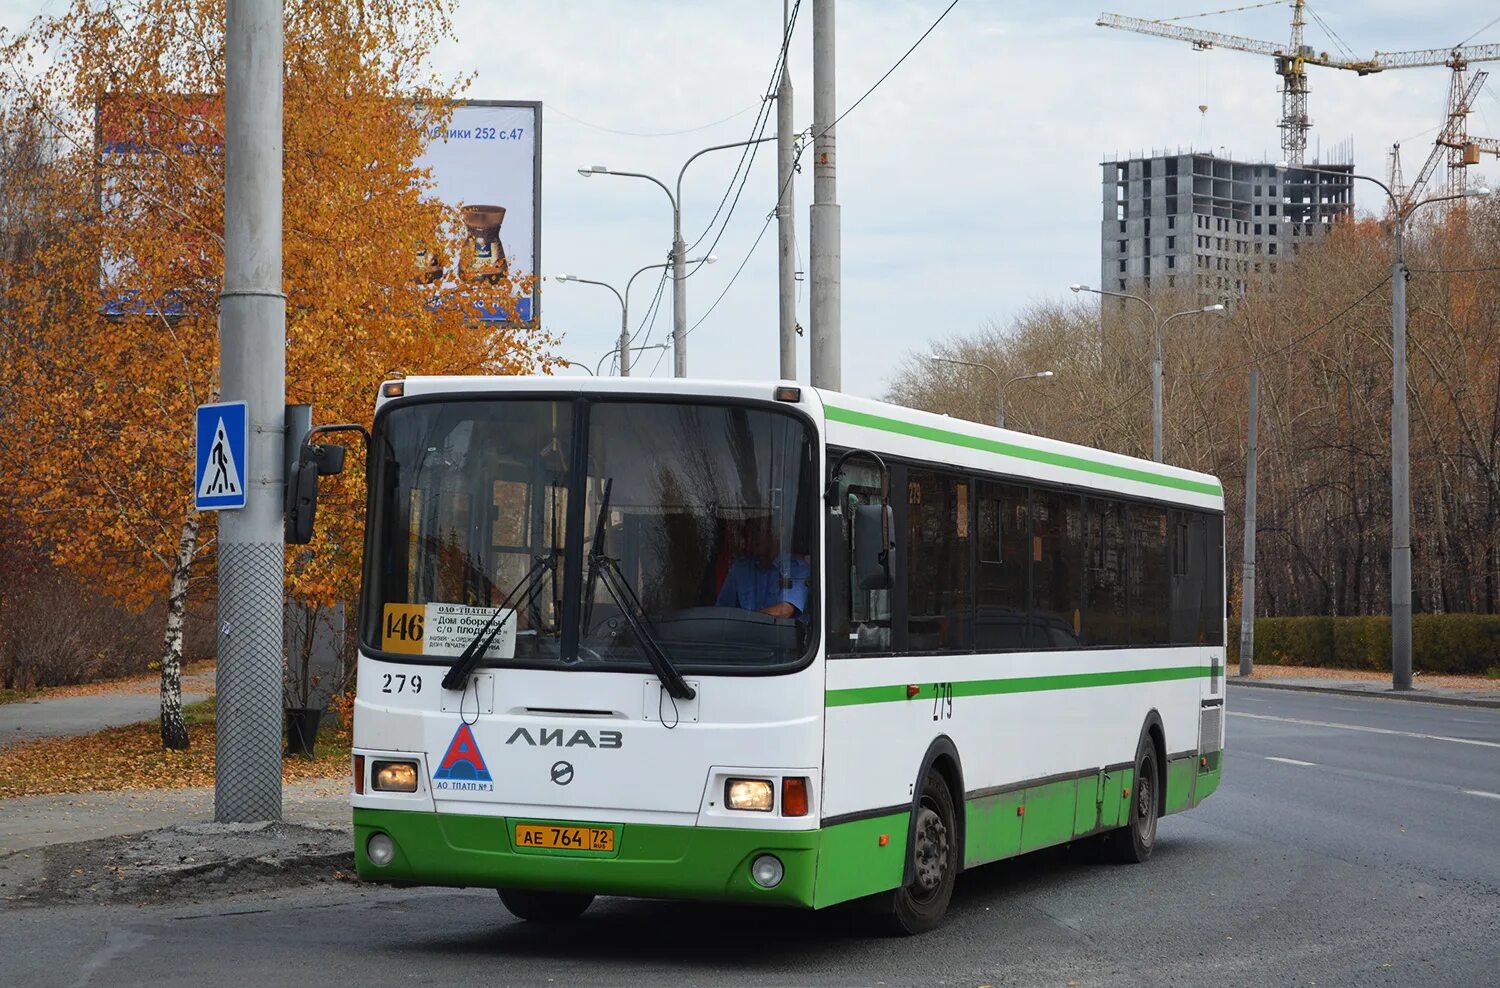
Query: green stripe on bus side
1023, 684
865, 419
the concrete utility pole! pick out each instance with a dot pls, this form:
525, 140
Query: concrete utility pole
786, 230
1401, 665
252, 368
1247, 569
825, 347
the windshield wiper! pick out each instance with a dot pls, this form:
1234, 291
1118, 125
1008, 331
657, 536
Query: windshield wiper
601, 565
458, 673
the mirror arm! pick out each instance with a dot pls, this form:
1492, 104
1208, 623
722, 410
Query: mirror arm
831, 493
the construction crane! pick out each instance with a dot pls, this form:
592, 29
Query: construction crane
1293, 58
1453, 141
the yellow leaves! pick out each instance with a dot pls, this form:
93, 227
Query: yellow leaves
103, 469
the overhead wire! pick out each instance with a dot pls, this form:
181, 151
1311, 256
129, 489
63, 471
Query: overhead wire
757, 131
553, 108
807, 142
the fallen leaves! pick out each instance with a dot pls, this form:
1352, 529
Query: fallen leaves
132, 758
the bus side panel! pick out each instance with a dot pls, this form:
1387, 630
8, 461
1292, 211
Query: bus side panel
861, 858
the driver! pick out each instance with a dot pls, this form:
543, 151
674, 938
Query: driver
764, 578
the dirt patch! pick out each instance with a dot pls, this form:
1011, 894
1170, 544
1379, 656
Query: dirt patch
1265, 671
186, 863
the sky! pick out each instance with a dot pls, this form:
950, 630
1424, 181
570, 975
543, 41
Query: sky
969, 181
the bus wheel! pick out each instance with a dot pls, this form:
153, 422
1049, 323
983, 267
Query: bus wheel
919, 905
545, 907
1132, 843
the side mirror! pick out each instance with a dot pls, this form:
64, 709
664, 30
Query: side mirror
330, 459
302, 499
872, 546
314, 460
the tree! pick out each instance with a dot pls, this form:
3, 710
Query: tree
116, 342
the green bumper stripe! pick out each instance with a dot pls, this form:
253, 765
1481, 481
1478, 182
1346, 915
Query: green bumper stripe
651, 860
1025, 684
836, 414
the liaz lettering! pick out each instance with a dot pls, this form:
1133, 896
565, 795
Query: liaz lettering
554, 737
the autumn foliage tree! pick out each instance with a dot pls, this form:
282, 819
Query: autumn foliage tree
1320, 333
110, 326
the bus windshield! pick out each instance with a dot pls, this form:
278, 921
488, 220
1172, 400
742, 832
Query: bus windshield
707, 533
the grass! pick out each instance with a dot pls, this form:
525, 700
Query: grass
132, 758
16, 696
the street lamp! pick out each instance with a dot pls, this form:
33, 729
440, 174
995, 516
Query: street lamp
1158, 325
679, 249
1000, 385
624, 348
599, 367
1400, 427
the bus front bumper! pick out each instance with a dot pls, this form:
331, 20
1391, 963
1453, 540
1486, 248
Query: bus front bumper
649, 860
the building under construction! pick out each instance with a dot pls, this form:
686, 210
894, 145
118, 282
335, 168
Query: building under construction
1192, 220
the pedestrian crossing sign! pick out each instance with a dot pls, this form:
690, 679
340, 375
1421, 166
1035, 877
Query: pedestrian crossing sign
221, 465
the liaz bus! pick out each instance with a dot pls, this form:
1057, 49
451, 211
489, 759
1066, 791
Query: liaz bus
765, 644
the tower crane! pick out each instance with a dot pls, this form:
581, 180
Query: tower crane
1293, 57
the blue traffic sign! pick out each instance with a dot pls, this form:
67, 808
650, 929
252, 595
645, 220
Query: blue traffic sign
221, 465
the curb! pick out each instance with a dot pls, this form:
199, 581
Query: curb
1412, 697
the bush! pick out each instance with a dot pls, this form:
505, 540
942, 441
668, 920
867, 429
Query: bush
1467, 644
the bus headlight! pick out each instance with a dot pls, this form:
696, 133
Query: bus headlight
395, 776
749, 794
380, 849
767, 871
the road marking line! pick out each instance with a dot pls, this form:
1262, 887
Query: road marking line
1367, 730
1481, 792
1290, 761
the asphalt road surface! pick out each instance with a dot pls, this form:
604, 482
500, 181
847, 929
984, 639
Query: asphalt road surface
1354, 842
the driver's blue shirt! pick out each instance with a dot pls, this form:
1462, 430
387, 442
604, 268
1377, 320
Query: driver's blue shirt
754, 586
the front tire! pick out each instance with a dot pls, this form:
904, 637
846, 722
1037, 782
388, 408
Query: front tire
920, 904
545, 907
1134, 842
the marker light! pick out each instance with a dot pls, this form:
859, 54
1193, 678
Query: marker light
381, 850
767, 871
395, 776
393, 389
794, 796
359, 775
749, 794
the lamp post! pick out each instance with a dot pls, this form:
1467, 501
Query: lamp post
1158, 324
679, 249
624, 348
1400, 429
1000, 384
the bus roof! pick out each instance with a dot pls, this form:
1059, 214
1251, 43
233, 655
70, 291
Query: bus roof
893, 429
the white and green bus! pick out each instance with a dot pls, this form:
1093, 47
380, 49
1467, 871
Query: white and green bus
765, 644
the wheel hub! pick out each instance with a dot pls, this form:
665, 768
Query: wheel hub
930, 850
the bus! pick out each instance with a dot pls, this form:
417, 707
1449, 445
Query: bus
762, 643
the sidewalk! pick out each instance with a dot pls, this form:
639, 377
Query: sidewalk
130, 703
1463, 696
39, 821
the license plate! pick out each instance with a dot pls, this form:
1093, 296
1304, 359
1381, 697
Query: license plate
561, 838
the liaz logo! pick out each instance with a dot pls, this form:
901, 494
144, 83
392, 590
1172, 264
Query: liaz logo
579, 738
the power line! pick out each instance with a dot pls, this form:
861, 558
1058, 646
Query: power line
757, 131
552, 108
893, 68
748, 254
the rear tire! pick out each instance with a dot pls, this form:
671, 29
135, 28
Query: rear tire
1134, 842
921, 903
545, 907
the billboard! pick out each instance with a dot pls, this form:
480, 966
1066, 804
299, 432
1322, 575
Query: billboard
487, 165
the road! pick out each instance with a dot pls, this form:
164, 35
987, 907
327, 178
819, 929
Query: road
1354, 842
